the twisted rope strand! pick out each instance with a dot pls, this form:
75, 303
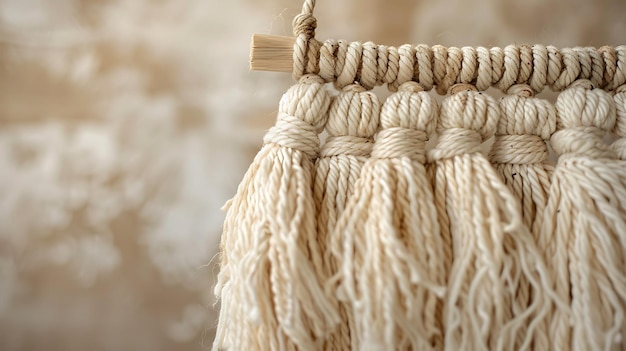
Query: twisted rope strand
372, 65
538, 66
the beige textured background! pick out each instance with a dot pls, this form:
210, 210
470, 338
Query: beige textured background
125, 124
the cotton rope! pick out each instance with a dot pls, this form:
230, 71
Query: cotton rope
619, 131
586, 219
352, 122
392, 270
520, 156
494, 253
384, 245
270, 299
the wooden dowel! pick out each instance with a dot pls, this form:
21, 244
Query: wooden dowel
536, 65
271, 53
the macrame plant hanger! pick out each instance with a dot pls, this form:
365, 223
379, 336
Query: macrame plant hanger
371, 241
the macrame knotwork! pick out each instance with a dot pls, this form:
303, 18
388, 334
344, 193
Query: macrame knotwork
494, 255
375, 240
271, 298
353, 120
586, 219
392, 270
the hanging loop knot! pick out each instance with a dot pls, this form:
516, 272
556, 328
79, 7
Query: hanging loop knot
582, 105
308, 101
411, 107
468, 118
519, 149
352, 122
347, 145
292, 132
585, 115
469, 109
407, 119
524, 114
398, 142
526, 122
302, 115
305, 24
306, 48
354, 112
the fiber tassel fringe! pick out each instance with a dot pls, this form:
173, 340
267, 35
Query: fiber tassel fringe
586, 216
270, 299
392, 270
494, 253
520, 156
352, 122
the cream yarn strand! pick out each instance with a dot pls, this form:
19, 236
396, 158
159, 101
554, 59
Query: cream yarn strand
585, 215
520, 153
392, 271
494, 253
520, 156
270, 299
352, 122
619, 145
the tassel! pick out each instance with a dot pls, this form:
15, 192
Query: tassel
585, 217
494, 253
392, 271
270, 299
519, 152
352, 122
520, 156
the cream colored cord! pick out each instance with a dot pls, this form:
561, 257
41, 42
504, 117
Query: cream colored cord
352, 122
376, 243
585, 218
494, 254
392, 268
270, 297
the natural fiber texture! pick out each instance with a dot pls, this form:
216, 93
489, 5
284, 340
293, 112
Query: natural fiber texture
494, 254
372, 64
392, 270
437, 66
269, 295
520, 153
585, 217
619, 131
352, 122
520, 156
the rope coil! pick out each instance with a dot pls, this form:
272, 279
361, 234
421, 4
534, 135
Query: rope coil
371, 64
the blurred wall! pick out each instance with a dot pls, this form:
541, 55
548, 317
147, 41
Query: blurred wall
126, 124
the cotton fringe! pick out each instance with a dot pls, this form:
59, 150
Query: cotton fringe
392, 271
585, 216
270, 297
495, 256
519, 152
352, 122
520, 156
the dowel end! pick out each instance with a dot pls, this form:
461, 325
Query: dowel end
271, 53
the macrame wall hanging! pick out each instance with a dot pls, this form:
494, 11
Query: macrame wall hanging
372, 241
